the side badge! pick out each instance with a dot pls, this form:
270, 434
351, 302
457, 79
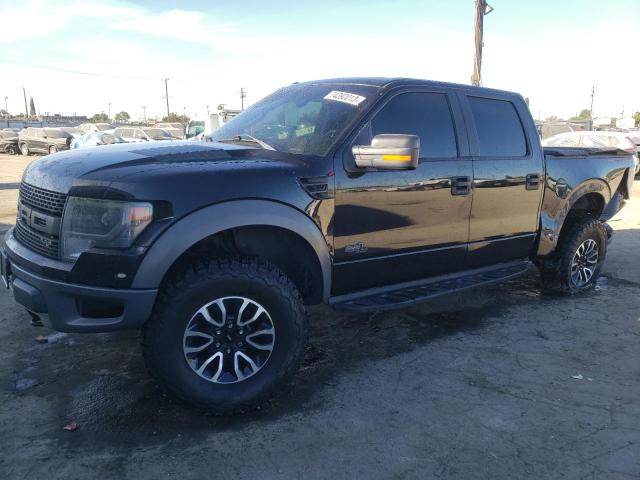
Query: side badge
355, 248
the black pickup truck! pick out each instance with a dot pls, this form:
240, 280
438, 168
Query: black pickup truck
363, 193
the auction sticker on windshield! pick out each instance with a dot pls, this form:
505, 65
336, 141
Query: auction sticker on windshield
345, 97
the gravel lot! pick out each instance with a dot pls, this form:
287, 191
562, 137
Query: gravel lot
505, 382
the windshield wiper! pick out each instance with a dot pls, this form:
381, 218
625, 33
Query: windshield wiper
246, 138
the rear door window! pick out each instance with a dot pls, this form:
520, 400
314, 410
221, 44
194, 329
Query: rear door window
498, 126
426, 115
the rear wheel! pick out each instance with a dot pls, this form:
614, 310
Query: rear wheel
24, 149
579, 257
53, 149
226, 333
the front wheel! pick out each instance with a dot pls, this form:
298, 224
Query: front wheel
53, 149
24, 149
579, 258
226, 333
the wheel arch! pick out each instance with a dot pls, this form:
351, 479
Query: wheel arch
562, 204
238, 216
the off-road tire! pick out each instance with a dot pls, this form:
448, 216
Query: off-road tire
555, 272
201, 282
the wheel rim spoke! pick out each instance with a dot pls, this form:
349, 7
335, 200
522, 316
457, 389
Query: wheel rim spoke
236, 365
259, 312
254, 344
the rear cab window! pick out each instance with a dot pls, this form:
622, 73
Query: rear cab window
498, 128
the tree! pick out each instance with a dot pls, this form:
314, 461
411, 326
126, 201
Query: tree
99, 118
552, 118
526, 100
32, 107
585, 114
636, 117
122, 116
174, 117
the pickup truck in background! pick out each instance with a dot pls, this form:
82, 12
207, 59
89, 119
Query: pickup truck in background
363, 193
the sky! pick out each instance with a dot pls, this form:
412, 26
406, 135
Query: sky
550, 51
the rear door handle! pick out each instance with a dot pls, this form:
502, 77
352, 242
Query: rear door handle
460, 185
533, 181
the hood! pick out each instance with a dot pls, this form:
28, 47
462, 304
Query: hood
102, 165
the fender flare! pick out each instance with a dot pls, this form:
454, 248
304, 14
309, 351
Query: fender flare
213, 219
552, 219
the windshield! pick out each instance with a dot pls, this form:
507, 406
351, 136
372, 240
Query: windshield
302, 119
155, 132
103, 126
56, 133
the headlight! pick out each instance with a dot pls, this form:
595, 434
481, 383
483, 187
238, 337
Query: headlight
91, 223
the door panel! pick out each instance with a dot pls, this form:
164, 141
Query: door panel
396, 226
507, 190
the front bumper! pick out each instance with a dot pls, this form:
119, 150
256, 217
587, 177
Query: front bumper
77, 308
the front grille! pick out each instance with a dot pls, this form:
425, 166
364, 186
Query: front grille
43, 244
45, 200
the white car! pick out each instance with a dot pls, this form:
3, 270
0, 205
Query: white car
141, 134
595, 139
95, 127
93, 139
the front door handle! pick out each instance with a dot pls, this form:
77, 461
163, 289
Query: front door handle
460, 185
533, 181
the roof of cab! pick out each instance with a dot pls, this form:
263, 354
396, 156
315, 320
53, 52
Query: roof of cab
390, 82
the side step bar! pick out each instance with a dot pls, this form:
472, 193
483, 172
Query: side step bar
405, 294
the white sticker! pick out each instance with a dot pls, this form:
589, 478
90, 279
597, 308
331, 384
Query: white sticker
345, 97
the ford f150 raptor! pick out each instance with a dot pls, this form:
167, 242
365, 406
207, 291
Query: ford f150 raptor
364, 193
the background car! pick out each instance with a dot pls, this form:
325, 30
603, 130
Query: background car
142, 134
176, 133
93, 139
546, 130
595, 139
95, 127
43, 140
9, 142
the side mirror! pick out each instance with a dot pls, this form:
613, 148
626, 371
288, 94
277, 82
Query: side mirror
389, 152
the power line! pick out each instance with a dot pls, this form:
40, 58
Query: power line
75, 72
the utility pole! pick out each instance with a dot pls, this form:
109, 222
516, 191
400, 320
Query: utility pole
26, 109
482, 9
166, 93
109, 115
207, 110
593, 91
243, 95
144, 113
6, 108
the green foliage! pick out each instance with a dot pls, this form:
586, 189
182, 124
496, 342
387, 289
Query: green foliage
174, 117
99, 118
122, 116
636, 117
585, 114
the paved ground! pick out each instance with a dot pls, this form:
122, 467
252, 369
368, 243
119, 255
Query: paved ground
505, 382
